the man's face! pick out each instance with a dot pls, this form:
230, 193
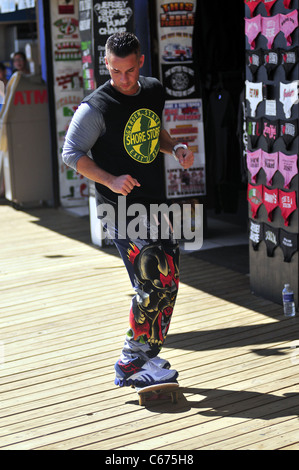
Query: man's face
124, 72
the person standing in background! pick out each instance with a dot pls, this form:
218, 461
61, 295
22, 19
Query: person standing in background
20, 63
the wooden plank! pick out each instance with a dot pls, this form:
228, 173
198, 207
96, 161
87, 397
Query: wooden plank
266, 382
235, 352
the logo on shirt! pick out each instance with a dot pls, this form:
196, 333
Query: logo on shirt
141, 135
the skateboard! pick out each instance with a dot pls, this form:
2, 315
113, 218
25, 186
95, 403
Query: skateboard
153, 392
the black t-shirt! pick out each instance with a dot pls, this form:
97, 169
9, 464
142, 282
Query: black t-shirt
130, 144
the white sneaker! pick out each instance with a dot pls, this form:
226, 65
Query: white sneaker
142, 374
160, 362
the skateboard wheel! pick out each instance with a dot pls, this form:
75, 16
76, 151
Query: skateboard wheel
174, 397
141, 400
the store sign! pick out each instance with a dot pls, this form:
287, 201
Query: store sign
28, 97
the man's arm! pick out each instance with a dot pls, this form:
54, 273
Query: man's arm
184, 156
118, 184
85, 128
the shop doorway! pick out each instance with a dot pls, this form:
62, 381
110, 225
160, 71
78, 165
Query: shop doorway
219, 52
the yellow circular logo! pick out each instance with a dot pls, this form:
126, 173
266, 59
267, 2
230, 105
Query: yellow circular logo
141, 135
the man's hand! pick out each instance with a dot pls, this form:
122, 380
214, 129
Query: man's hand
118, 184
122, 184
185, 157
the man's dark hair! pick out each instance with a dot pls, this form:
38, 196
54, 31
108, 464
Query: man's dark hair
122, 45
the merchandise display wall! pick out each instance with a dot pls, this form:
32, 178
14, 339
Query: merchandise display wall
271, 128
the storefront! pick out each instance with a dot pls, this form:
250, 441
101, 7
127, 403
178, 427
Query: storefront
26, 175
201, 54
68, 39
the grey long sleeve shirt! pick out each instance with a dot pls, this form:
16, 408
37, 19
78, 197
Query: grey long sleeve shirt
86, 127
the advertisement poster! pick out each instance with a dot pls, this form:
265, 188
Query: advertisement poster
109, 18
183, 120
68, 90
183, 117
175, 31
86, 35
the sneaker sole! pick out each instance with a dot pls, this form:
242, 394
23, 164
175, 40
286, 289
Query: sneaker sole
142, 383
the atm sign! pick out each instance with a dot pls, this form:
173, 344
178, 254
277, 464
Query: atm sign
30, 97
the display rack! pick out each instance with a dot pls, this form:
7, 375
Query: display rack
271, 128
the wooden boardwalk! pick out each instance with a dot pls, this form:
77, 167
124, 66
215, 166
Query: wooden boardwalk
62, 326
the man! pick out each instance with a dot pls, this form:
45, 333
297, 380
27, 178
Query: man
120, 123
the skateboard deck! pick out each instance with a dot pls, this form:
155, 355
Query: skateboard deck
158, 391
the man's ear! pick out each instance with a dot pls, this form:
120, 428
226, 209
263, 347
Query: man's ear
141, 61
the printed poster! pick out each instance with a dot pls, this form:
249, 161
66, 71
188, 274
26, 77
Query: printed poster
68, 91
97, 21
109, 17
175, 32
183, 117
184, 121
86, 35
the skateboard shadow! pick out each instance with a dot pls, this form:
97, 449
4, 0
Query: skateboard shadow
225, 402
164, 404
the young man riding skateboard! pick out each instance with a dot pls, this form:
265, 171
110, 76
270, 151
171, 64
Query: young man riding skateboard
120, 124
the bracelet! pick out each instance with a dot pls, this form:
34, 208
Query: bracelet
177, 146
